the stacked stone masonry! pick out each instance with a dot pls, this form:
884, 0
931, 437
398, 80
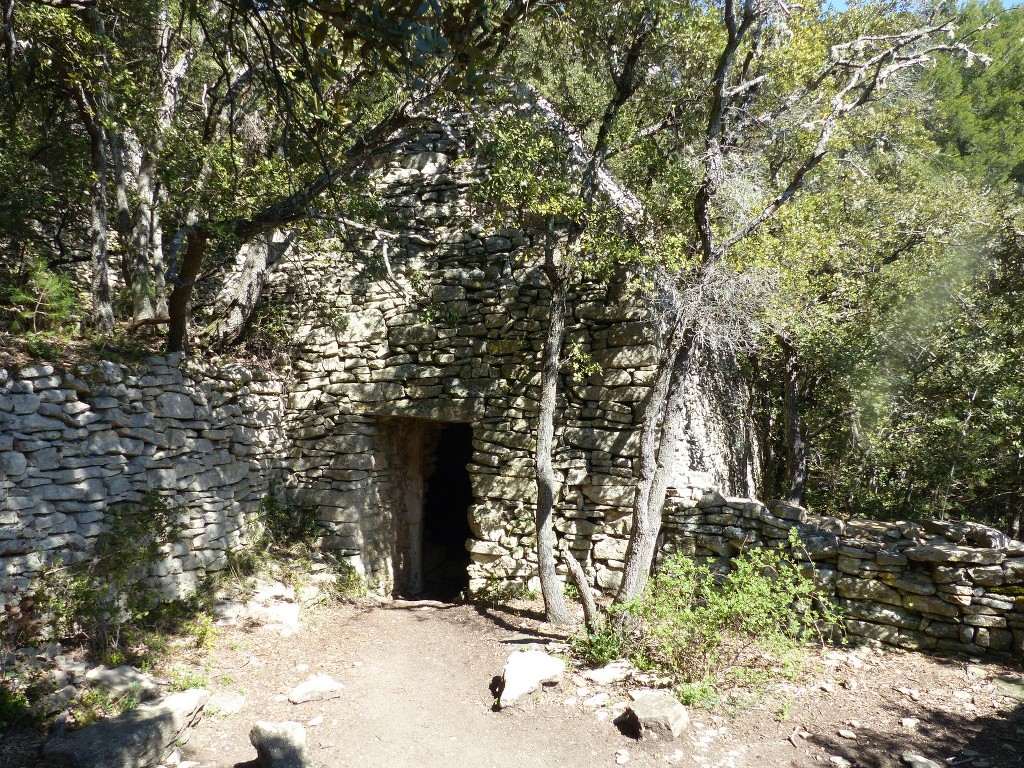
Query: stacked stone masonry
436, 319
76, 443
947, 586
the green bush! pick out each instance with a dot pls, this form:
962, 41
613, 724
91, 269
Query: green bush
41, 300
13, 704
286, 524
99, 602
747, 627
598, 648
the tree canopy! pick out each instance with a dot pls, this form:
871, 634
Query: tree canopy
852, 179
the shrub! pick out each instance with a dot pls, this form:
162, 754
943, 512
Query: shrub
41, 300
286, 524
599, 648
748, 626
13, 703
99, 602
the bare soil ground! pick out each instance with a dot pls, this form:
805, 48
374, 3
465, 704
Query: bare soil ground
417, 693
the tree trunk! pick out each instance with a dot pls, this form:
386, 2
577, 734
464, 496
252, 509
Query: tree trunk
255, 262
145, 260
591, 616
102, 306
547, 483
177, 305
796, 444
660, 429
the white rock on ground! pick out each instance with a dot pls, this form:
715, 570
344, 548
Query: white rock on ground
316, 688
144, 736
916, 761
226, 703
615, 672
525, 672
279, 745
655, 713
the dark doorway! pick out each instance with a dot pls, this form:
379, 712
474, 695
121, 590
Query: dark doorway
446, 515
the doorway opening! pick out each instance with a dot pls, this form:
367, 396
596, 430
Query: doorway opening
446, 504
432, 498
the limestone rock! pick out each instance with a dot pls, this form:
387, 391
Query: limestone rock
950, 553
136, 739
279, 745
916, 761
226, 703
120, 680
1010, 686
615, 672
525, 672
176, 406
656, 713
316, 688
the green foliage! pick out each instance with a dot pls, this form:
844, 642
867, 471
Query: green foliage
95, 704
39, 300
976, 113
14, 705
704, 695
99, 602
498, 592
285, 523
347, 584
601, 647
183, 679
746, 627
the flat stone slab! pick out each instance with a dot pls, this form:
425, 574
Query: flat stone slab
525, 672
951, 553
656, 713
121, 679
226, 703
136, 739
615, 672
316, 688
279, 745
1007, 685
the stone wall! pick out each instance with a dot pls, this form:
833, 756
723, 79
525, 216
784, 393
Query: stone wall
933, 585
75, 443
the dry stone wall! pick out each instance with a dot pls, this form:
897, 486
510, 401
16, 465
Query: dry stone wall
950, 586
75, 443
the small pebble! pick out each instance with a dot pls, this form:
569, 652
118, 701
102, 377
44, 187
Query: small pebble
621, 757
847, 734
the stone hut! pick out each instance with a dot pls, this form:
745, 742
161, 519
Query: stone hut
415, 390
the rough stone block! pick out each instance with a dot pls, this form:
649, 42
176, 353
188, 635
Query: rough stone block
656, 714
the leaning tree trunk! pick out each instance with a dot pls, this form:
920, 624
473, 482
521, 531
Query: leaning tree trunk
658, 433
555, 609
102, 306
254, 264
177, 304
796, 444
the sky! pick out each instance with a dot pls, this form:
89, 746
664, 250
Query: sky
840, 5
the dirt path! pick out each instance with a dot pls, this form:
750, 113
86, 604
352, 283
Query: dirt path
417, 694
